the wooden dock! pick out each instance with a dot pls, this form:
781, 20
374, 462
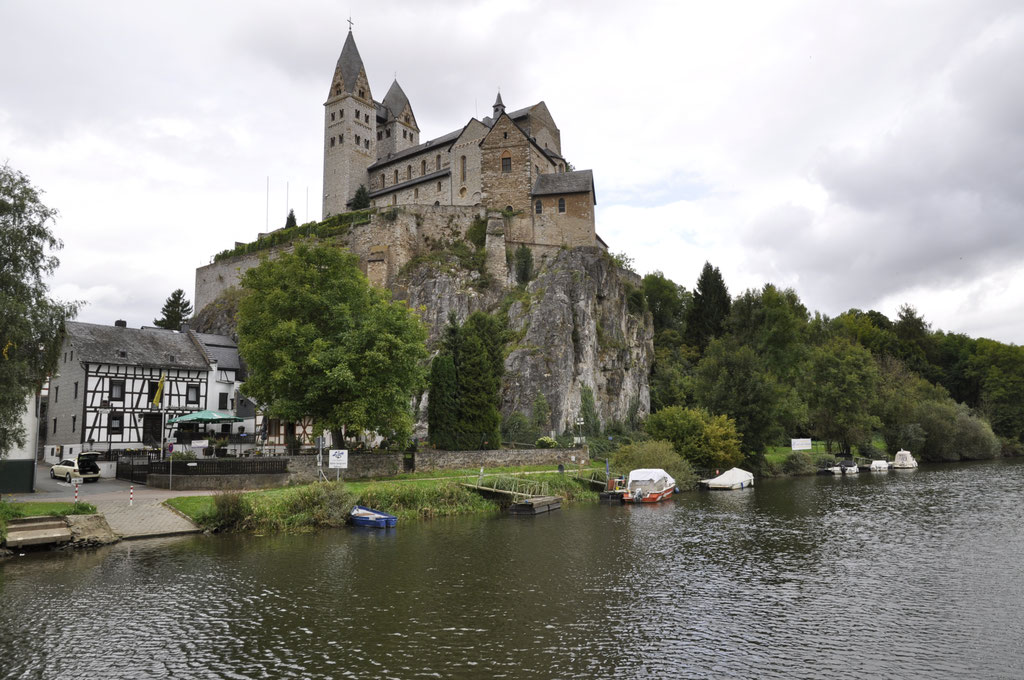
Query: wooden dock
519, 503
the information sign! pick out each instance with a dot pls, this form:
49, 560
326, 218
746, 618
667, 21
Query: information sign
801, 444
338, 459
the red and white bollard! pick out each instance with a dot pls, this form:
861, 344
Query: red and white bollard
76, 494
131, 495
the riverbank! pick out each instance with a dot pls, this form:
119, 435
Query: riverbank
326, 504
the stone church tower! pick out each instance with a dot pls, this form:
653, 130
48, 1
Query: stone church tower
350, 124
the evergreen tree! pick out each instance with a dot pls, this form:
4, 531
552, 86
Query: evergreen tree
709, 309
479, 423
361, 200
588, 409
176, 310
290, 220
524, 264
541, 414
443, 405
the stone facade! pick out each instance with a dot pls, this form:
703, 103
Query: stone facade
432, 459
494, 162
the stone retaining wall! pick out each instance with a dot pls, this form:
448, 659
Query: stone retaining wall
454, 460
302, 469
217, 482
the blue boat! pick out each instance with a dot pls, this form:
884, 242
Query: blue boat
365, 517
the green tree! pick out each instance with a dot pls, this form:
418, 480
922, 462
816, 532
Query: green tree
706, 441
588, 411
442, 406
524, 264
361, 200
999, 369
541, 414
290, 221
479, 423
667, 301
706, 315
773, 323
176, 310
655, 454
731, 379
31, 322
320, 342
841, 387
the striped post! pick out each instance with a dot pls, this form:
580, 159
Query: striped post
76, 494
131, 495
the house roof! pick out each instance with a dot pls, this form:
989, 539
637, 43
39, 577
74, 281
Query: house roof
95, 343
579, 182
443, 172
221, 349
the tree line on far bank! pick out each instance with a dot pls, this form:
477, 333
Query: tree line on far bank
859, 382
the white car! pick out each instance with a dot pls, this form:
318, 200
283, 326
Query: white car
83, 466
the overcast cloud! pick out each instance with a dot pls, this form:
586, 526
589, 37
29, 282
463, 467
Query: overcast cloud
867, 154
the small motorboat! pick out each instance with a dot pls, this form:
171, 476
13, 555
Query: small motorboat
845, 467
879, 466
648, 485
730, 479
365, 517
904, 461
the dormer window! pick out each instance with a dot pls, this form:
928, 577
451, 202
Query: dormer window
122, 353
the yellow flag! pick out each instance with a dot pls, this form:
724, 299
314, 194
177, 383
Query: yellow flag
159, 390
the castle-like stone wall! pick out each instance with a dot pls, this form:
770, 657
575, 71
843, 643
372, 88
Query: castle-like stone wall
503, 189
572, 228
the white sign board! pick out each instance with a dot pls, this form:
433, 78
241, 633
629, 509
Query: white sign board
801, 444
338, 459
200, 443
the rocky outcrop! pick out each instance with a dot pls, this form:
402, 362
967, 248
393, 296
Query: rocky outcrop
573, 327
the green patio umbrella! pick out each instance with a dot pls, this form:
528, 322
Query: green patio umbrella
206, 417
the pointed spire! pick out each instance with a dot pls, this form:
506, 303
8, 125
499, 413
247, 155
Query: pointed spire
499, 107
395, 100
350, 64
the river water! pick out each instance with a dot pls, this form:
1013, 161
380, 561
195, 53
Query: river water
901, 575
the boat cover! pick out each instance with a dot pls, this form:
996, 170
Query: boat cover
731, 478
649, 475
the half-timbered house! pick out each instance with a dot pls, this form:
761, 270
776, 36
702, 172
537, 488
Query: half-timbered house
101, 397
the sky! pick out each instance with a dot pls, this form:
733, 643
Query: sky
866, 154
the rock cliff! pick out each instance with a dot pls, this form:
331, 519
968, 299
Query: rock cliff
578, 323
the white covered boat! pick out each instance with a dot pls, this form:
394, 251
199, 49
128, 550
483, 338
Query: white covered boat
648, 485
731, 479
904, 461
845, 467
879, 466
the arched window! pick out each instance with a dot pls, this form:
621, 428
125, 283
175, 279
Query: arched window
506, 163
462, 169
538, 207
437, 161
438, 187
423, 166
394, 199
408, 172
382, 180
561, 205
416, 192
396, 175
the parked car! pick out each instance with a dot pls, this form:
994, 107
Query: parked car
84, 466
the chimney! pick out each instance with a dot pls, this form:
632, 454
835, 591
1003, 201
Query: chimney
184, 328
121, 323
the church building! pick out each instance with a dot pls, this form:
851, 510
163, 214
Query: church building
511, 161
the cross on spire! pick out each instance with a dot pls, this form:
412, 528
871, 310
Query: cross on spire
349, 23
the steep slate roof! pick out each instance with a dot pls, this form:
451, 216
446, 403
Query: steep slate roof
221, 349
350, 63
443, 172
413, 150
395, 100
579, 182
94, 343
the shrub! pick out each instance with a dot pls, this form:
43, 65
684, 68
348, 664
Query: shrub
477, 232
705, 440
322, 504
798, 463
546, 443
517, 428
523, 264
231, 510
183, 455
655, 454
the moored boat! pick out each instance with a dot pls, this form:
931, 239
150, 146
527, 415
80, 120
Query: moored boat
361, 516
648, 485
879, 466
904, 461
730, 479
844, 467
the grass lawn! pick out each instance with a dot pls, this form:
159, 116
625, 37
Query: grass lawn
407, 495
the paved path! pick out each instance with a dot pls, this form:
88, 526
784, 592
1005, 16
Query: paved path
146, 517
